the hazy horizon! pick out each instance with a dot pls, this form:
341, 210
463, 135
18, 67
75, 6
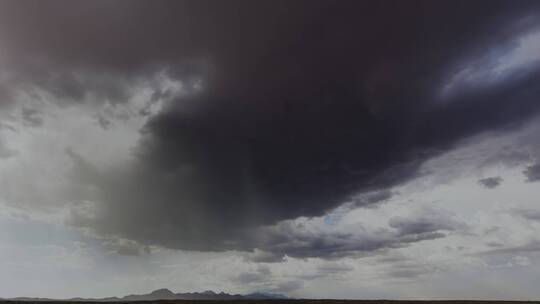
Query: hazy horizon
316, 149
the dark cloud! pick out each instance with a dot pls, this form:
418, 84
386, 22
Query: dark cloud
490, 182
532, 172
303, 106
31, 117
69, 85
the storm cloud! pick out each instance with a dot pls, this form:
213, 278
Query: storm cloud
284, 110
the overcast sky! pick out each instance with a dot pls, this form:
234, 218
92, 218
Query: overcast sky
323, 149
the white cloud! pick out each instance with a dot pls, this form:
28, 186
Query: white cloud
504, 61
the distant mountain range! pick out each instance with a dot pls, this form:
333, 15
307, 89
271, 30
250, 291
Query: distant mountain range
165, 294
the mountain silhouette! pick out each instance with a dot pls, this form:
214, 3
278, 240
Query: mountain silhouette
166, 294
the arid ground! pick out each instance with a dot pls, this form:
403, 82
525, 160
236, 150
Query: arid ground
280, 301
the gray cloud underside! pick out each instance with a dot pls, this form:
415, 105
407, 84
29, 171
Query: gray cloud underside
490, 182
298, 240
532, 173
304, 106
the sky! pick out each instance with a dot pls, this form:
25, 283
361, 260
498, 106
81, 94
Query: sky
318, 149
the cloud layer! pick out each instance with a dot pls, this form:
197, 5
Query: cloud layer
257, 115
